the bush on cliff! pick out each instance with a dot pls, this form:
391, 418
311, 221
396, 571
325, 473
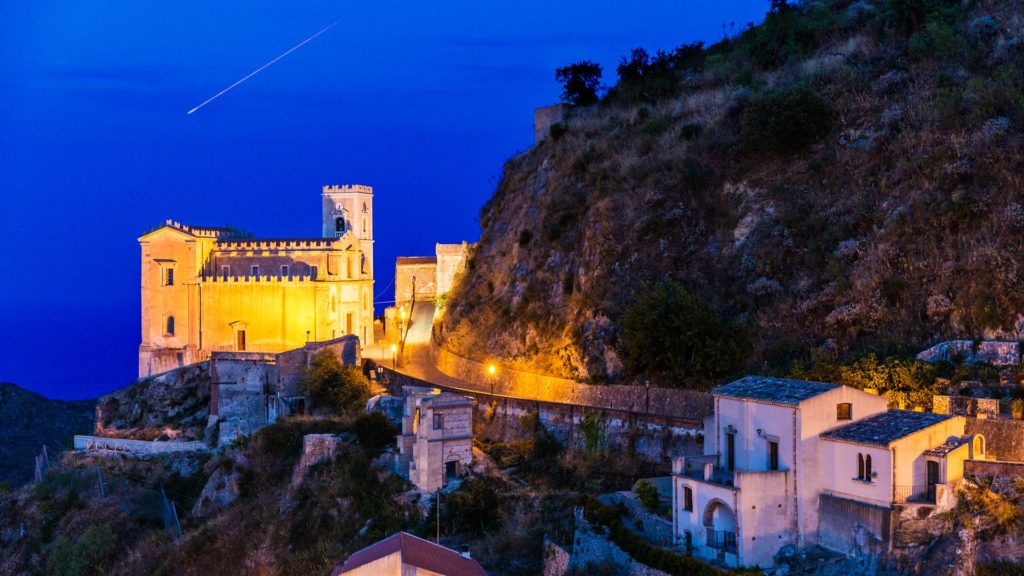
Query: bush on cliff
375, 431
670, 334
334, 387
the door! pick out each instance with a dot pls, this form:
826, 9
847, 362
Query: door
240, 340
933, 479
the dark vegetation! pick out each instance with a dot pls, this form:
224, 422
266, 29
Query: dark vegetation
837, 179
333, 387
32, 421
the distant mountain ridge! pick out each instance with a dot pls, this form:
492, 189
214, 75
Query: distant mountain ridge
28, 421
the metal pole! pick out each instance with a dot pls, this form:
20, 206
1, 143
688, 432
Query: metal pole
438, 538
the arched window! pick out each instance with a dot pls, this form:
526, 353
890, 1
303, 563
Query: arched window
170, 326
860, 466
867, 468
979, 446
687, 499
339, 224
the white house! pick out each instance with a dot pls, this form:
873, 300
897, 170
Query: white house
778, 452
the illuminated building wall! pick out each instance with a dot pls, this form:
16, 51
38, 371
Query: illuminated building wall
206, 289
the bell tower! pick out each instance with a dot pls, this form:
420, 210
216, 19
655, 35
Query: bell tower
348, 209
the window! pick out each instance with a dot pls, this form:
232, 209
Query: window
867, 468
240, 340
348, 267
730, 452
844, 411
438, 421
688, 499
255, 270
168, 276
860, 466
225, 271
773, 455
339, 224
284, 270
864, 467
348, 324
170, 326
313, 271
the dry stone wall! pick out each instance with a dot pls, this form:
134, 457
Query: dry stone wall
1004, 439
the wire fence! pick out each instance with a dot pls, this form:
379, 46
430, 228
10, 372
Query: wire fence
96, 484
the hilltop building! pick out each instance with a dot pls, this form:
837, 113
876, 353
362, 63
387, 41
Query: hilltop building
406, 555
436, 443
424, 278
803, 463
212, 289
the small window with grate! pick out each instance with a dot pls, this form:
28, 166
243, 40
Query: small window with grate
844, 411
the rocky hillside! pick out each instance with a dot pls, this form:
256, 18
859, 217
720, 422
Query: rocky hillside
31, 421
841, 177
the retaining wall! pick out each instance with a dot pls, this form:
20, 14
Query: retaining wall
136, 447
500, 418
1004, 439
671, 402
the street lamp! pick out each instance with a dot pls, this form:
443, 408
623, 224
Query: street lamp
490, 374
394, 356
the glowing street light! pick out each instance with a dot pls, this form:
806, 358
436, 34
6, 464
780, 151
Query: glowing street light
394, 356
490, 375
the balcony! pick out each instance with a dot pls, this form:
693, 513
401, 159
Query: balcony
918, 494
706, 469
723, 540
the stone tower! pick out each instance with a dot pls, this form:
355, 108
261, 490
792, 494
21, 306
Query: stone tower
349, 208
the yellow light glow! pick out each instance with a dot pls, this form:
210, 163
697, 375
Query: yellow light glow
394, 347
490, 369
401, 312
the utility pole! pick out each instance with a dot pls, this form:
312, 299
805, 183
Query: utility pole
437, 539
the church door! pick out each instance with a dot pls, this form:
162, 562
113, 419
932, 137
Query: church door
240, 340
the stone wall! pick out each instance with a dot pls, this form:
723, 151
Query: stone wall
675, 403
135, 447
415, 274
656, 438
291, 365
1004, 439
656, 530
591, 546
1004, 474
544, 117
966, 406
316, 448
850, 526
451, 261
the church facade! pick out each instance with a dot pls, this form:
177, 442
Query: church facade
212, 289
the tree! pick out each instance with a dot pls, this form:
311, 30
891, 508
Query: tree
579, 83
670, 334
375, 431
647, 494
334, 386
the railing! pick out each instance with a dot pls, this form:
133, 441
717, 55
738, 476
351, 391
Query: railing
917, 494
721, 540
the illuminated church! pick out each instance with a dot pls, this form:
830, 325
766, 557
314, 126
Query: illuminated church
212, 289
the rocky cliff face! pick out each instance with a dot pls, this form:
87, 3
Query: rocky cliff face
171, 405
861, 191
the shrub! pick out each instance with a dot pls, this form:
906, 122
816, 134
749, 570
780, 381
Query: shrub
657, 125
999, 569
333, 386
669, 333
691, 131
647, 494
786, 121
87, 555
524, 237
374, 430
474, 508
557, 130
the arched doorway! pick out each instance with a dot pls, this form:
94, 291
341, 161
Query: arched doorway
720, 528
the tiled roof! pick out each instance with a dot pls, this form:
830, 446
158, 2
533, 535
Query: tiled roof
408, 260
415, 552
948, 446
885, 428
775, 390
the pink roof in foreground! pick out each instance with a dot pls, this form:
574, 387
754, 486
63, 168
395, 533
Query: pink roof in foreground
415, 552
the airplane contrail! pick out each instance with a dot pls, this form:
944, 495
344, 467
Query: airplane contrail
260, 69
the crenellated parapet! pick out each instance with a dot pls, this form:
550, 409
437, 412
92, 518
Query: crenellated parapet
347, 189
276, 244
258, 278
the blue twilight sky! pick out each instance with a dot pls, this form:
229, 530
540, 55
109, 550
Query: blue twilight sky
422, 100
